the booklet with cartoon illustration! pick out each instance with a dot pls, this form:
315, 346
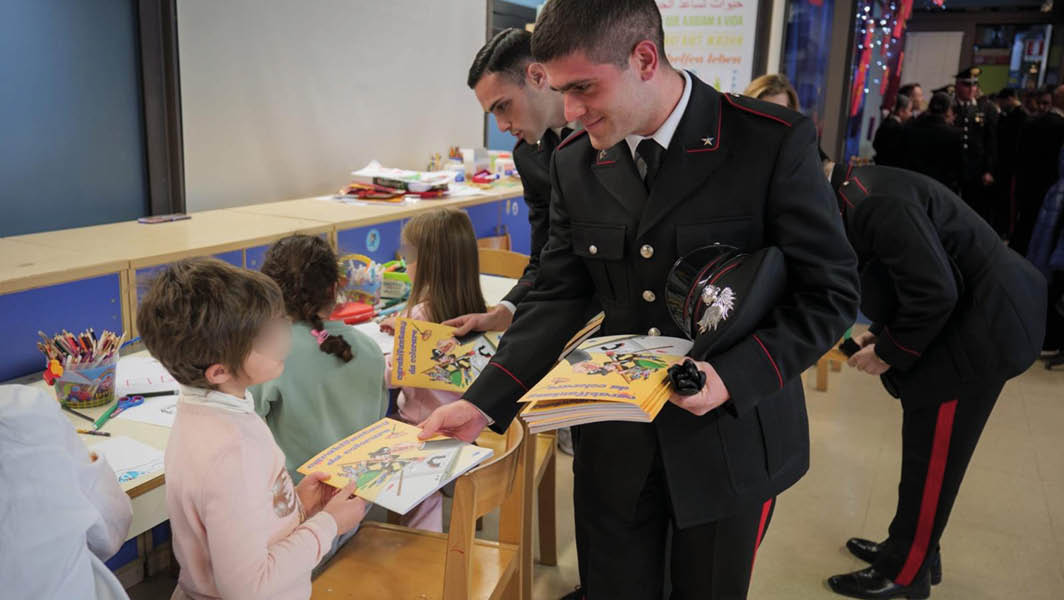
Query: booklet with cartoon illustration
616, 378
391, 467
428, 355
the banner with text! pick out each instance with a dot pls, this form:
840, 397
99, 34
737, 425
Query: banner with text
712, 38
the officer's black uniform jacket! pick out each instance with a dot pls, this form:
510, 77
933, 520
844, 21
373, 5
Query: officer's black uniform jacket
933, 147
533, 165
978, 129
737, 171
951, 303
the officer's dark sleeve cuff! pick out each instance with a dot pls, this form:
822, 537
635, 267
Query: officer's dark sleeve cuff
518, 292
496, 392
895, 353
750, 373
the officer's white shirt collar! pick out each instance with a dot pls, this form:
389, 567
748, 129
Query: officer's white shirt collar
664, 134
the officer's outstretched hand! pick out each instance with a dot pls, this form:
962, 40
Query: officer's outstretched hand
713, 394
867, 361
461, 420
496, 319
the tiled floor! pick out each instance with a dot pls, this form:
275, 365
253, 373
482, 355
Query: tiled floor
1005, 539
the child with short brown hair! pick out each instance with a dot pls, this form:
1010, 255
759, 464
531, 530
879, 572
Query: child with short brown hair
241, 529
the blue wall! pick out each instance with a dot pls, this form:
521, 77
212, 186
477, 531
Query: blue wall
71, 118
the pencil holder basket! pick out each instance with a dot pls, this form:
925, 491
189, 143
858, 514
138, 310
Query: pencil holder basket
87, 386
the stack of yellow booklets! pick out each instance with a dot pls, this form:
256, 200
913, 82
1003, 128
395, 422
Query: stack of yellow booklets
428, 355
391, 467
617, 378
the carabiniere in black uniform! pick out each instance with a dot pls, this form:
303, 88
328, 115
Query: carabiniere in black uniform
956, 314
533, 166
737, 171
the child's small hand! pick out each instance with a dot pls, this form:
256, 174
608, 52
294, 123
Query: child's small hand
388, 326
346, 509
314, 493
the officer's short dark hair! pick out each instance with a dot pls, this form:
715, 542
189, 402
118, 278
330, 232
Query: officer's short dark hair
907, 89
508, 52
605, 30
902, 102
939, 103
1007, 93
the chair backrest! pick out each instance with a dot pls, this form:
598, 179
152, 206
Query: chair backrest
499, 482
502, 262
497, 242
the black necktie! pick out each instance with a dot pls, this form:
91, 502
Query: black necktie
648, 155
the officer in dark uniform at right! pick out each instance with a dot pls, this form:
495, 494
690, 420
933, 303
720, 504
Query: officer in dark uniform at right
979, 142
956, 313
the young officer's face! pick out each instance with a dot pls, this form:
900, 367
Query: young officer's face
608, 101
518, 109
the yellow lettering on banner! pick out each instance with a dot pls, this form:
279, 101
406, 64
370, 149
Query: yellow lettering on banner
672, 20
693, 39
733, 20
699, 20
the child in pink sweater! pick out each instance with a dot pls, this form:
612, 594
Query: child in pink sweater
440, 250
241, 529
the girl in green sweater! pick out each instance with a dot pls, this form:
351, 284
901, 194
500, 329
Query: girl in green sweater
334, 378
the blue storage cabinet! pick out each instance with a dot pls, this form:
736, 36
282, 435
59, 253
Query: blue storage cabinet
379, 242
487, 218
94, 302
515, 221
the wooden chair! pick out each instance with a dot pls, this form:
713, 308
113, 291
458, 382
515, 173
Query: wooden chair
512, 264
497, 242
388, 561
503, 263
833, 359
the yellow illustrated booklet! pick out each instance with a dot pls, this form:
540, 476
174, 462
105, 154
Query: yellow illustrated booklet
391, 467
617, 378
427, 355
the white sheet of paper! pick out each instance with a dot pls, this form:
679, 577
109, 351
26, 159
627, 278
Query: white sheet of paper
373, 330
155, 411
129, 458
142, 373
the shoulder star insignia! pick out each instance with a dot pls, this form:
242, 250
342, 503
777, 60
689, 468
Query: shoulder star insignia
707, 141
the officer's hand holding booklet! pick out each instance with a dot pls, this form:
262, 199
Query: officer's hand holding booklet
616, 378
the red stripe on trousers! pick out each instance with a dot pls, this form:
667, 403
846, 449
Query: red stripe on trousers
932, 488
765, 510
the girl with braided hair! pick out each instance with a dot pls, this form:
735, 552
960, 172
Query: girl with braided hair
334, 378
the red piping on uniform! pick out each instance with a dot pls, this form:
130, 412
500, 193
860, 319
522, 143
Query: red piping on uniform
845, 199
849, 170
723, 271
770, 359
860, 185
765, 510
756, 112
569, 140
691, 293
932, 488
909, 350
607, 162
720, 117
507, 371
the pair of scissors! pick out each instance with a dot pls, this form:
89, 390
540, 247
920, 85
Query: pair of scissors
123, 403
127, 402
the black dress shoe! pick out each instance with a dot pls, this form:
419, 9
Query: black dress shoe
576, 594
868, 551
871, 584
